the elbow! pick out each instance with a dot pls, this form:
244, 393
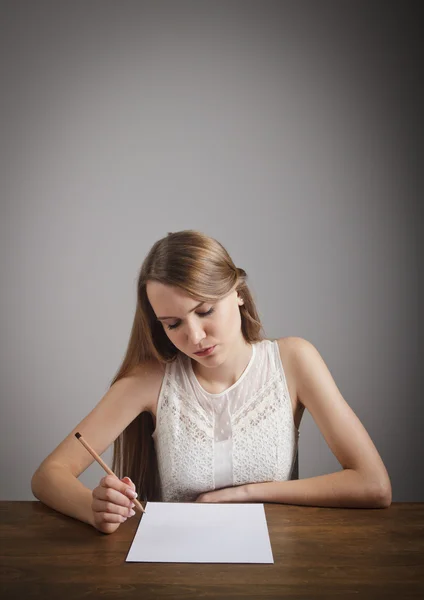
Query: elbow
374, 488
384, 499
35, 479
40, 481
380, 495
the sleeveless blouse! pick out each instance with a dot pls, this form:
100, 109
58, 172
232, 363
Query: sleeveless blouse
245, 434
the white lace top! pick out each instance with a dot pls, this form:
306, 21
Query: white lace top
245, 434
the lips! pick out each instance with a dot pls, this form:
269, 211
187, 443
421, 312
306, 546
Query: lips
204, 351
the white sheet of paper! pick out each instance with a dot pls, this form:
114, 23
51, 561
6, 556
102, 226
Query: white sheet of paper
202, 533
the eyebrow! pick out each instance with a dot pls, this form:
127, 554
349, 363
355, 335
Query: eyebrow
193, 309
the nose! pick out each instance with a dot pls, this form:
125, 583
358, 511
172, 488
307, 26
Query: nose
195, 333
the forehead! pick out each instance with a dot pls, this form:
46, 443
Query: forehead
168, 299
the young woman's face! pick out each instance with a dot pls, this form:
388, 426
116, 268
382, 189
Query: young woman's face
193, 327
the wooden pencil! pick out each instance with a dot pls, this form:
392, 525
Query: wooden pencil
104, 466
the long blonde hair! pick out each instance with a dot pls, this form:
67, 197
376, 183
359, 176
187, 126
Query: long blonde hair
199, 265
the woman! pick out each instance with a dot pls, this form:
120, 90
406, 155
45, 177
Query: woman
204, 408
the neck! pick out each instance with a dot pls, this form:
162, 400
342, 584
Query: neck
219, 378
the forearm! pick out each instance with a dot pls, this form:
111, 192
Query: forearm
59, 489
346, 488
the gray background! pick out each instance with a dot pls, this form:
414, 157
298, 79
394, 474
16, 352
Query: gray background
283, 129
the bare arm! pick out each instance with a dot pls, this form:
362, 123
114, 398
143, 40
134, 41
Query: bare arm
55, 482
54, 485
363, 482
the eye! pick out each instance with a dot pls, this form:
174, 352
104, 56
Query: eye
204, 314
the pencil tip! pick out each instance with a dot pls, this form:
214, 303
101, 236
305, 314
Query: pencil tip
77, 435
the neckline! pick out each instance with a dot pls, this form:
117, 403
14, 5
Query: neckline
235, 384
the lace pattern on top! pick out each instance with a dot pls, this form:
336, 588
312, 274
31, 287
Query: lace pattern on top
245, 434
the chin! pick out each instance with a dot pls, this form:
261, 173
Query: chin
210, 361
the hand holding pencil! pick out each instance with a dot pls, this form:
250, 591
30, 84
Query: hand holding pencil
113, 498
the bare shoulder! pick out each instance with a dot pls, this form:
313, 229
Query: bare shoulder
295, 349
290, 348
148, 377
298, 357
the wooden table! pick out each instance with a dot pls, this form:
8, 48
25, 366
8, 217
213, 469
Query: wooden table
318, 553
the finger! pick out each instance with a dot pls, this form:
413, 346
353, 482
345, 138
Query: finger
102, 506
112, 495
128, 481
111, 517
110, 481
130, 491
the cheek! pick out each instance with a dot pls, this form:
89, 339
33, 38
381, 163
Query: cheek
236, 318
230, 321
176, 336
169, 333
172, 335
